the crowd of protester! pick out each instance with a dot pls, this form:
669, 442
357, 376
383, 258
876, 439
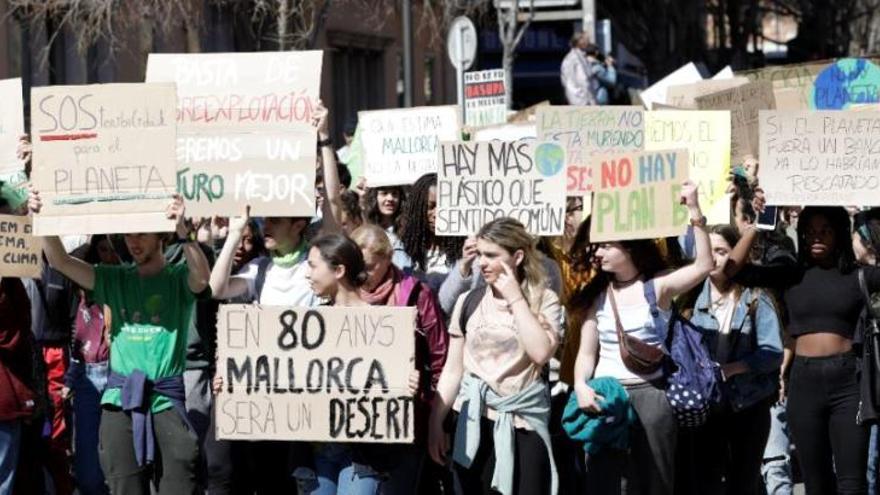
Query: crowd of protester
542, 365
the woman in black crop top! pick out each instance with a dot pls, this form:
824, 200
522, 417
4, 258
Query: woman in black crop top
822, 295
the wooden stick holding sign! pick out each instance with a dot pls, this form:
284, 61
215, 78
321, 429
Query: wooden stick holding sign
21, 254
637, 195
104, 157
315, 374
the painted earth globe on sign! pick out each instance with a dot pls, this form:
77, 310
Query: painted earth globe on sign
549, 159
847, 82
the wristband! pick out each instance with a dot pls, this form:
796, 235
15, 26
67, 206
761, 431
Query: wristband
699, 222
511, 303
190, 236
324, 143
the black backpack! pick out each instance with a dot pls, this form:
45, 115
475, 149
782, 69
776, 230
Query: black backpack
470, 304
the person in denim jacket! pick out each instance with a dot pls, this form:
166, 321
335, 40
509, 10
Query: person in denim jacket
743, 334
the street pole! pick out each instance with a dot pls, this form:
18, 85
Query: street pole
459, 71
407, 54
589, 19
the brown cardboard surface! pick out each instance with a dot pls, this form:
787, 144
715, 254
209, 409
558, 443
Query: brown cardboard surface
316, 374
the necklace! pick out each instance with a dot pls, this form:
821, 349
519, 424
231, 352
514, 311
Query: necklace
618, 284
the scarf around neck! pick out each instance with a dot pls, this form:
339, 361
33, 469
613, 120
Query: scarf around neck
382, 293
290, 259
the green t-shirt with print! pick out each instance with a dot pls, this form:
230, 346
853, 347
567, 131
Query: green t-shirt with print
150, 318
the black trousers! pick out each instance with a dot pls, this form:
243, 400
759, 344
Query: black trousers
726, 453
822, 406
531, 467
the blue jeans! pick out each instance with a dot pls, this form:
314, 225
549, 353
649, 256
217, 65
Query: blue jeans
776, 469
336, 474
89, 381
10, 442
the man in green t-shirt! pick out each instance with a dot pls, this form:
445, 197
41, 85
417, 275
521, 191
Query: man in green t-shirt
151, 303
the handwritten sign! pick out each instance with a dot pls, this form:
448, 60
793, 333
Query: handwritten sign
744, 103
245, 130
484, 98
820, 157
11, 127
481, 181
657, 93
21, 254
321, 374
586, 131
399, 146
103, 157
844, 83
685, 95
637, 195
706, 136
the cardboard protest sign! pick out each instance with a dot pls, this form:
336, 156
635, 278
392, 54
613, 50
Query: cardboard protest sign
103, 157
320, 374
481, 181
744, 103
484, 93
792, 84
21, 254
399, 146
685, 95
11, 127
844, 83
657, 93
585, 131
706, 136
637, 195
820, 157
245, 130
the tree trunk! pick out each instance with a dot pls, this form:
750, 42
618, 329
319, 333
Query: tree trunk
283, 19
193, 37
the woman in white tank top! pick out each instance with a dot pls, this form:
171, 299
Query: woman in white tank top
625, 269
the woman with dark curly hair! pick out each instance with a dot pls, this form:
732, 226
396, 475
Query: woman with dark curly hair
430, 257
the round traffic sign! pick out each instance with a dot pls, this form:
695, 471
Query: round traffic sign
461, 42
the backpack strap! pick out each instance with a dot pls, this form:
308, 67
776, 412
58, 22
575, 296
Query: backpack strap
260, 281
651, 296
650, 292
471, 301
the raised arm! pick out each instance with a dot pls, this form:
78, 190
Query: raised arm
332, 207
80, 272
196, 262
223, 286
687, 277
